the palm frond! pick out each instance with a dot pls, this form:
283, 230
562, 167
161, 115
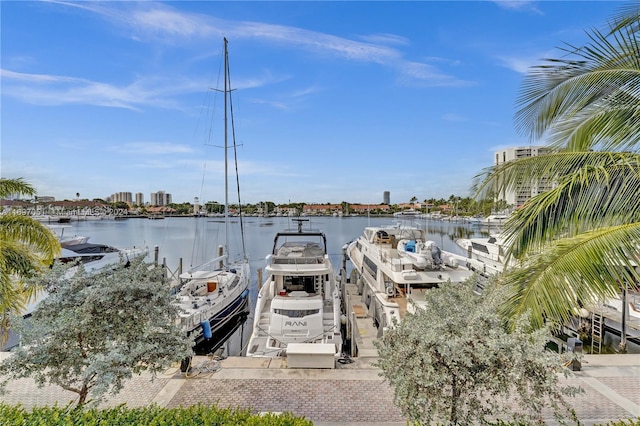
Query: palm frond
18, 260
31, 233
509, 176
574, 272
600, 193
15, 186
598, 84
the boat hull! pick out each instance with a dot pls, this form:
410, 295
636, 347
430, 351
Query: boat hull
298, 309
221, 325
394, 267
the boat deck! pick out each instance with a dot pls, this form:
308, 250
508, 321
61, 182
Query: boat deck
260, 338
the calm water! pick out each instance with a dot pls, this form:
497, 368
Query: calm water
196, 240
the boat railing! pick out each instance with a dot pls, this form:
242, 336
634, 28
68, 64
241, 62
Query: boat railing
286, 260
211, 265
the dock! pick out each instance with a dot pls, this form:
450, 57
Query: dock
351, 394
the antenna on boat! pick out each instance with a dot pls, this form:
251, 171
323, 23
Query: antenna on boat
300, 223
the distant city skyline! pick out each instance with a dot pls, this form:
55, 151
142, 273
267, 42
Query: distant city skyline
332, 101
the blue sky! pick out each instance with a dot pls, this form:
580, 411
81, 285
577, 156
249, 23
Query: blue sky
334, 101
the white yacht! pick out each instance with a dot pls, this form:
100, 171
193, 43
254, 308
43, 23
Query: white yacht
67, 240
94, 258
493, 220
491, 251
394, 266
298, 310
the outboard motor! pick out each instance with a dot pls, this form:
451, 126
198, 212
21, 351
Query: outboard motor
436, 255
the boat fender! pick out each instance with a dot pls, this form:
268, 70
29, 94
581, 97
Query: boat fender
206, 329
410, 246
244, 293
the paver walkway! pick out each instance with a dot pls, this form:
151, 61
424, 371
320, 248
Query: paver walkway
348, 395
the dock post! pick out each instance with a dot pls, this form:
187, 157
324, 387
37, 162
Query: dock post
156, 251
344, 258
259, 278
220, 252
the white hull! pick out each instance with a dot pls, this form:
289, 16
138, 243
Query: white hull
393, 280
490, 251
210, 296
299, 303
94, 258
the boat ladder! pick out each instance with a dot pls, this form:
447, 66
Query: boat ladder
596, 332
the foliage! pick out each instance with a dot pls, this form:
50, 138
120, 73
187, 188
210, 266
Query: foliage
629, 422
455, 362
94, 331
153, 415
579, 240
26, 246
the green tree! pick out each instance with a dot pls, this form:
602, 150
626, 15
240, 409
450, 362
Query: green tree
26, 247
94, 331
579, 239
454, 362
120, 205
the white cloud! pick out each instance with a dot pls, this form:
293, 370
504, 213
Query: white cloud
153, 148
453, 117
149, 20
520, 5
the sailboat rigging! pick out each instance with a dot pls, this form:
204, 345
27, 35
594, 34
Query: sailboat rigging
213, 295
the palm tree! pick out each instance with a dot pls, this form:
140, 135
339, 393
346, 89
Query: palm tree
580, 241
26, 246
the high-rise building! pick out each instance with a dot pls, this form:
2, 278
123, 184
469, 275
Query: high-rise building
386, 197
524, 190
139, 198
160, 198
124, 197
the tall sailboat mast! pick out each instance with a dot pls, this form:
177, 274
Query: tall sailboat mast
226, 148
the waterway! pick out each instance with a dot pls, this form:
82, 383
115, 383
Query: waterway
193, 241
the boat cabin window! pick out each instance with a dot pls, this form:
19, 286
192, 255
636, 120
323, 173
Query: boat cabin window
79, 259
296, 313
480, 247
233, 284
371, 266
298, 283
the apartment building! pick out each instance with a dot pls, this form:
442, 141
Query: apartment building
524, 190
160, 198
124, 197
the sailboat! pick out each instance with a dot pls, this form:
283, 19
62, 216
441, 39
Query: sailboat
213, 295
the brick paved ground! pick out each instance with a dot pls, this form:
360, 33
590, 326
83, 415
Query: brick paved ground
355, 395
318, 400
